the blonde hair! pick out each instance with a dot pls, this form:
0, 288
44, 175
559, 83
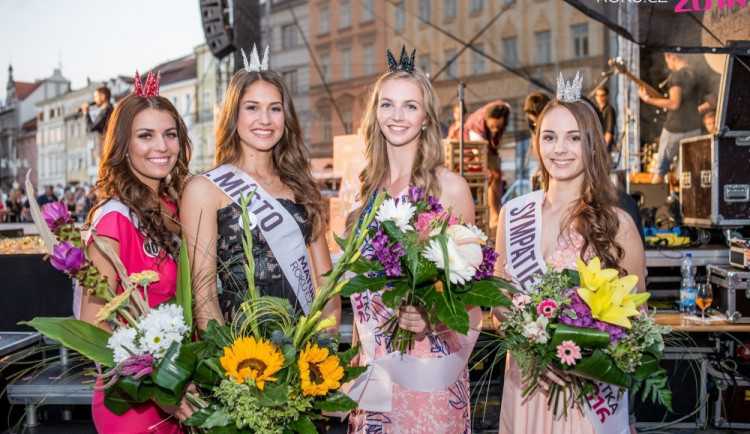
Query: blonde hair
429, 155
595, 214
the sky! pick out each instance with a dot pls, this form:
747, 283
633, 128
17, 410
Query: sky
99, 39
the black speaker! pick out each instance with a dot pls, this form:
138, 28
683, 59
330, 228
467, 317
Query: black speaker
215, 18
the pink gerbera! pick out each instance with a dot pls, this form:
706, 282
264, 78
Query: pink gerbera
568, 352
547, 308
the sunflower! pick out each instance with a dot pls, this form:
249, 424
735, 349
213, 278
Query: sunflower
319, 371
250, 359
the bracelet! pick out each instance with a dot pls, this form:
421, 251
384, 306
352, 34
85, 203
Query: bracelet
647, 97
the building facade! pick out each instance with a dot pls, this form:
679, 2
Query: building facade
348, 42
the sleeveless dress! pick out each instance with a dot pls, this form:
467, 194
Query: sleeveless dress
531, 414
137, 254
443, 411
269, 277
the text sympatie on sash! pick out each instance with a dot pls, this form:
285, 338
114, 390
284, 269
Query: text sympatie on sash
267, 217
522, 241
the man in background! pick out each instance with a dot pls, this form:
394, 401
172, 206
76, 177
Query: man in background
98, 125
609, 115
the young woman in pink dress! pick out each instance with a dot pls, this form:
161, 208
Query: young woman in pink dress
142, 173
579, 219
403, 148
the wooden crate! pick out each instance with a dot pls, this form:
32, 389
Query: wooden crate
475, 156
478, 185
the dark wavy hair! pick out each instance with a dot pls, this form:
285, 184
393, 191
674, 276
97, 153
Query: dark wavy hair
595, 213
290, 156
117, 179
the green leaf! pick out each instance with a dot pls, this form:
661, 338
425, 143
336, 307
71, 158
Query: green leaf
213, 416
221, 336
648, 366
452, 313
184, 295
340, 241
272, 395
208, 372
395, 295
359, 284
352, 372
601, 367
484, 293
336, 401
201, 349
501, 283
393, 232
346, 356
303, 425
573, 277
583, 337
80, 336
571, 313
117, 400
421, 269
364, 265
174, 371
290, 353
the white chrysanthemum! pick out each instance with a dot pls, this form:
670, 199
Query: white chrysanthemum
123, 343
399, 212
477, 232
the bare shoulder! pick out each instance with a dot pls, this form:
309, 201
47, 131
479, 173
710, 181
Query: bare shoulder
452, 183
627, 225
200, 189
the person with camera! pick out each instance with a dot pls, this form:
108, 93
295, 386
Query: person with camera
99, 124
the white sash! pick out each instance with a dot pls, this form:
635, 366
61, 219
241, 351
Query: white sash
523, 247
373, 389
112, 205
523, 236
280, 229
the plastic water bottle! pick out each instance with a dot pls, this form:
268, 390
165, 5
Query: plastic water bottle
688, 289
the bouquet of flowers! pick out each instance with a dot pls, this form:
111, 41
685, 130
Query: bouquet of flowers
270, 370
588, 324
429, 259
148, 356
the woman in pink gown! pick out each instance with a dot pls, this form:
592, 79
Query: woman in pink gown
403, 148
579, 219
141, 176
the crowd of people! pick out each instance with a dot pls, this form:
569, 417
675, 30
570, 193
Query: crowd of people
14, 207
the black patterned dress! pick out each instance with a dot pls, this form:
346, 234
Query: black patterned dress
269, 277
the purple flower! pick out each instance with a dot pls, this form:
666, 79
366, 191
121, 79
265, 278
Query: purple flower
487, 267
389, 256
56, 214
416, 193
67, 257
136, 365
434, 204
585, 320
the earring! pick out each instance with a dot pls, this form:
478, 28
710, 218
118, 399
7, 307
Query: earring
168, 179
424, 127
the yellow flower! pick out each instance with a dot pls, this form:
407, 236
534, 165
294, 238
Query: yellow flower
108, 309
250, 359
592, 276
144, 278
319, 372
611, 299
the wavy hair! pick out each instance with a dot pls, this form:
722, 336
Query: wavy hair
117, 179
430, 153
595, 214
290, 156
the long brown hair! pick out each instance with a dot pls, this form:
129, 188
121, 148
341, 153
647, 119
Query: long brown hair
117, 180
430, 154
290, 156
595, 214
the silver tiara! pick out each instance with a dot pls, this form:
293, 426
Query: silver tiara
567, 92
255, 64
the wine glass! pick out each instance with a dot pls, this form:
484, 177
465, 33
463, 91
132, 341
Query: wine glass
704, 298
